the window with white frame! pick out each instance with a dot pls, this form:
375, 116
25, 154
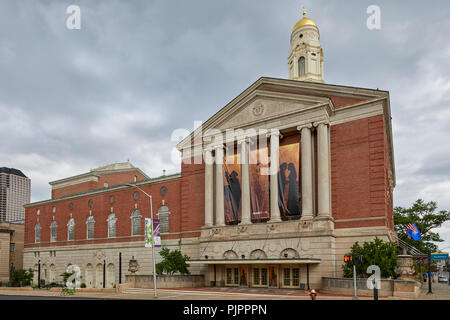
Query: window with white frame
90, 225
112, 221
37, 233
136, 223
301, 67
53, 231
163, 215
71, 229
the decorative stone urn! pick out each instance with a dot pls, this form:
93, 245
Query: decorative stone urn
133, 267
404, 266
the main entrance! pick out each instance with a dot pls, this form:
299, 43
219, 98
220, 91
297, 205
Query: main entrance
293, 273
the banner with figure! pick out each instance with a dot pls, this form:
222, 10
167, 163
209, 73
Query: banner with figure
232, 187
259, 181
288, 177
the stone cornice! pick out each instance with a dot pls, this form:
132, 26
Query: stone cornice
105, 190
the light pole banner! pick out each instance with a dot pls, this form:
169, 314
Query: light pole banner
148, 233
157, 235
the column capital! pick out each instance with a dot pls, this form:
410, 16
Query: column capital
324, 121
242, 139
218, 146
274, 132
305, 125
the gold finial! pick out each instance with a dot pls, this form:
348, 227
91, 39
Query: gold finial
304, 12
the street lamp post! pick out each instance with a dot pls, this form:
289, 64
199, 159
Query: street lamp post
153, 242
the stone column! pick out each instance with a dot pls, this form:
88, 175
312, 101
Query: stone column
323, 170
274, 164
209, 188
245, 178
220, 214
307, 171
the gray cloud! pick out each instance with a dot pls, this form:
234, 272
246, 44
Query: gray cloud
137, 70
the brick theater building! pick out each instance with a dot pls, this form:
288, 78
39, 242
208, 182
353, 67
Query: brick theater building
286, 222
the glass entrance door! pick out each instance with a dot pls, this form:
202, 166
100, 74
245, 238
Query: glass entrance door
291, 277
260, 277
231, 276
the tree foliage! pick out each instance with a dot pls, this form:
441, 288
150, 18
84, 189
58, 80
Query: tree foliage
377, 252
23, 276
173, 262
423, 215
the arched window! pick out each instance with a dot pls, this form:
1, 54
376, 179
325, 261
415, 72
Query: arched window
112, 225
90, 223
163, 215
301, 66
70, 229
37, 233
136, 223
53, 231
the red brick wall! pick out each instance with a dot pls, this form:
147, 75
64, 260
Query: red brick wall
359, 166
123, 206
192, 197
111, 178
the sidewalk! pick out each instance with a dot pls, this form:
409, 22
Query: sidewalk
188, 294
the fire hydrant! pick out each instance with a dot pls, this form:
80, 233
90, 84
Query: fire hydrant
313, 294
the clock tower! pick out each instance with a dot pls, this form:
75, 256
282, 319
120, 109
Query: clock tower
305, 59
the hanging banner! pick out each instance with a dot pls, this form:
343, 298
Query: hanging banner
259, 182
148, 233
288, 177
232, 187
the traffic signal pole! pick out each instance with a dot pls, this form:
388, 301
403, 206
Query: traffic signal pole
355, 295
429, 273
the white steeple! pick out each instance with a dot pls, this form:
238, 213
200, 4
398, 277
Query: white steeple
305, 59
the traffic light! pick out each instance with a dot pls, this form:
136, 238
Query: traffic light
361, 258
348, 259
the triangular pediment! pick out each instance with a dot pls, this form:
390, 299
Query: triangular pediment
276, 104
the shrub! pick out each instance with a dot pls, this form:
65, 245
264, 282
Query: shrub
377, 252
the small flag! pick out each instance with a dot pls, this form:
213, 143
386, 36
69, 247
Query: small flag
412, 231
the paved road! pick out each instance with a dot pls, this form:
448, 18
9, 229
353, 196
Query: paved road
441, 291
169, 294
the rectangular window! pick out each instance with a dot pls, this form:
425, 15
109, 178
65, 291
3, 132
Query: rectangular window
256, 276
296, 277
287, 276
229, 276
90, 230
164, 222
236, 275
53, 233
12, 247
264, 276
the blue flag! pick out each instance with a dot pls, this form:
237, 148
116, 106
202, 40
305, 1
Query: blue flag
413, 232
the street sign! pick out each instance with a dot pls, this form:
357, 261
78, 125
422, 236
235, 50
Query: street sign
439, 256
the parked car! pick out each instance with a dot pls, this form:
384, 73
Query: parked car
443, 278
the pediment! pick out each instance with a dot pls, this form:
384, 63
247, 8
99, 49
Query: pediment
265, 109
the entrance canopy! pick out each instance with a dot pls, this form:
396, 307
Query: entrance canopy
256, 261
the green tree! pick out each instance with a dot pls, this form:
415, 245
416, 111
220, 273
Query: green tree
423, 215
377, 252
22, 276
173, 262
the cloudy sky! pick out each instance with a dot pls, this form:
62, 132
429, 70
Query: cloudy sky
71, 100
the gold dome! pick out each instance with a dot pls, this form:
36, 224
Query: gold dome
304, 22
